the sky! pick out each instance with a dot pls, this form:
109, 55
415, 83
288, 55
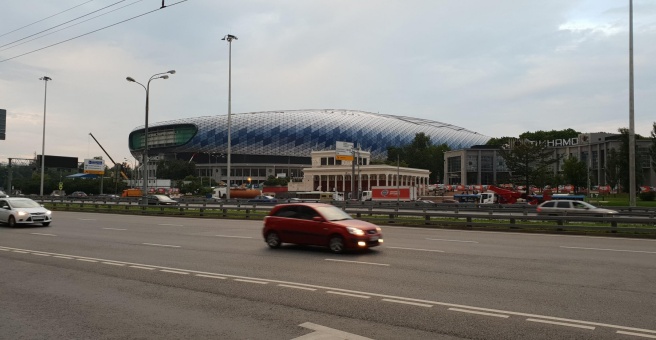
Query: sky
499, 68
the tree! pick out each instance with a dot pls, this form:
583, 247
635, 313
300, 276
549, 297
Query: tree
613, 165
527, 160
575, 172
624, 161
175, 169
420, 154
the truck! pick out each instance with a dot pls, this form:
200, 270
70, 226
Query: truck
220, 193
493, 195
390, 193
131, 193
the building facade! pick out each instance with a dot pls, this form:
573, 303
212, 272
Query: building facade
482, 164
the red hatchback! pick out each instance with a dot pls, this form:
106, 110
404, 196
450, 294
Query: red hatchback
318, 224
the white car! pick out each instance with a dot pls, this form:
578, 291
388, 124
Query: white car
21, 210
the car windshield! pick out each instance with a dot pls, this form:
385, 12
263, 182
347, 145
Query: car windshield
24, 203
333, 213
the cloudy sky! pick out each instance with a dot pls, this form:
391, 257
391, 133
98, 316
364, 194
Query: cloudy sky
499, 67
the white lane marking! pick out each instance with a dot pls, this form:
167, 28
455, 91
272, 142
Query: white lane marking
637, 334
618, 250
114, 229
408, 303
113, 263
359, 262
142, 267
161, 245
479, 313
174, 271
171, 225
445, 240
87, 219
42, 234
39, 254
445, 304
211, 276
3, 249
232, 236
324, 333
347, 294
561, 323
63, 257
296, 287
251, 281
417, 249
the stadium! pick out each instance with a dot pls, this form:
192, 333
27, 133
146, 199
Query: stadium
275, 142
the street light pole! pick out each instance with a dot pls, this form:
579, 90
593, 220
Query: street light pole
43, 141
229, 38
163, 75
632, 157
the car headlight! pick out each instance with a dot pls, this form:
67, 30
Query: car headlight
378, 229
48, 212
22, 213
355, 231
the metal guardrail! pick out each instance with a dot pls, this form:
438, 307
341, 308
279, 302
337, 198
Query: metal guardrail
517, 218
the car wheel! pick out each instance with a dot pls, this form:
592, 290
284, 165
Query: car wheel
336, 244
273, 240
45, 224
11, 221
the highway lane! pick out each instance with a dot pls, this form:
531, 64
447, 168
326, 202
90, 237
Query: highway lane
600, 280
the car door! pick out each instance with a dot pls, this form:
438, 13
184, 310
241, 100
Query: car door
285, 222
564, 207
4, 211
312, 232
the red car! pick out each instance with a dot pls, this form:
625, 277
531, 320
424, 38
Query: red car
318, 224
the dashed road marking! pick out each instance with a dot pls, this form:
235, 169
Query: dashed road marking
142, 267
417, 249
233, 236
251, 281
617, 250
359, 262
113, 263
43, 234
211, 276
561, 323
297, 287
348, 294
161, 245
445, 240
479, 313
637, 334
114, 229
174, 271
408, 303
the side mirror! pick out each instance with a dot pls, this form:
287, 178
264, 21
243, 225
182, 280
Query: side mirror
317, 219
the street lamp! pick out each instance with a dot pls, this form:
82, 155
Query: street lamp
43, 141
229, 38
163, 75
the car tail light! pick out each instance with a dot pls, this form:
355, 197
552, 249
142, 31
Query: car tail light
538, 209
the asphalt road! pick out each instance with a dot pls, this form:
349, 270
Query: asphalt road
100, 276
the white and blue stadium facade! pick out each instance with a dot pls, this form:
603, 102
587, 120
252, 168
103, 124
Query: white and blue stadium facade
274, 142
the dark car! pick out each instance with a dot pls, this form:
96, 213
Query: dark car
263, 199
571, 207
318, 224
78, 194
161, 200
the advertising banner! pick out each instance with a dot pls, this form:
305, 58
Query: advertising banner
94, 166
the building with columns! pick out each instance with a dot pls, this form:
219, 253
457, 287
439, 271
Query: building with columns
331, 174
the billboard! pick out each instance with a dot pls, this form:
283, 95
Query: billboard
58, 162
94, 166
344, 151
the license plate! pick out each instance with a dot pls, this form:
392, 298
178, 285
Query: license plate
373, 238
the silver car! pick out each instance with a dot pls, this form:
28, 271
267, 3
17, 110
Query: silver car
571, 207
21, 210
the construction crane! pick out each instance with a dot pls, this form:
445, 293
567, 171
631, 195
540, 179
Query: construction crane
110, 157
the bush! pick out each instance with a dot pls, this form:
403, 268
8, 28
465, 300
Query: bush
647, 196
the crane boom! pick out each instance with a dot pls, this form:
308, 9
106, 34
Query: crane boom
110, 157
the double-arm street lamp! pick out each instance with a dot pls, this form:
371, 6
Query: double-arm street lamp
163, 75
229, 38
